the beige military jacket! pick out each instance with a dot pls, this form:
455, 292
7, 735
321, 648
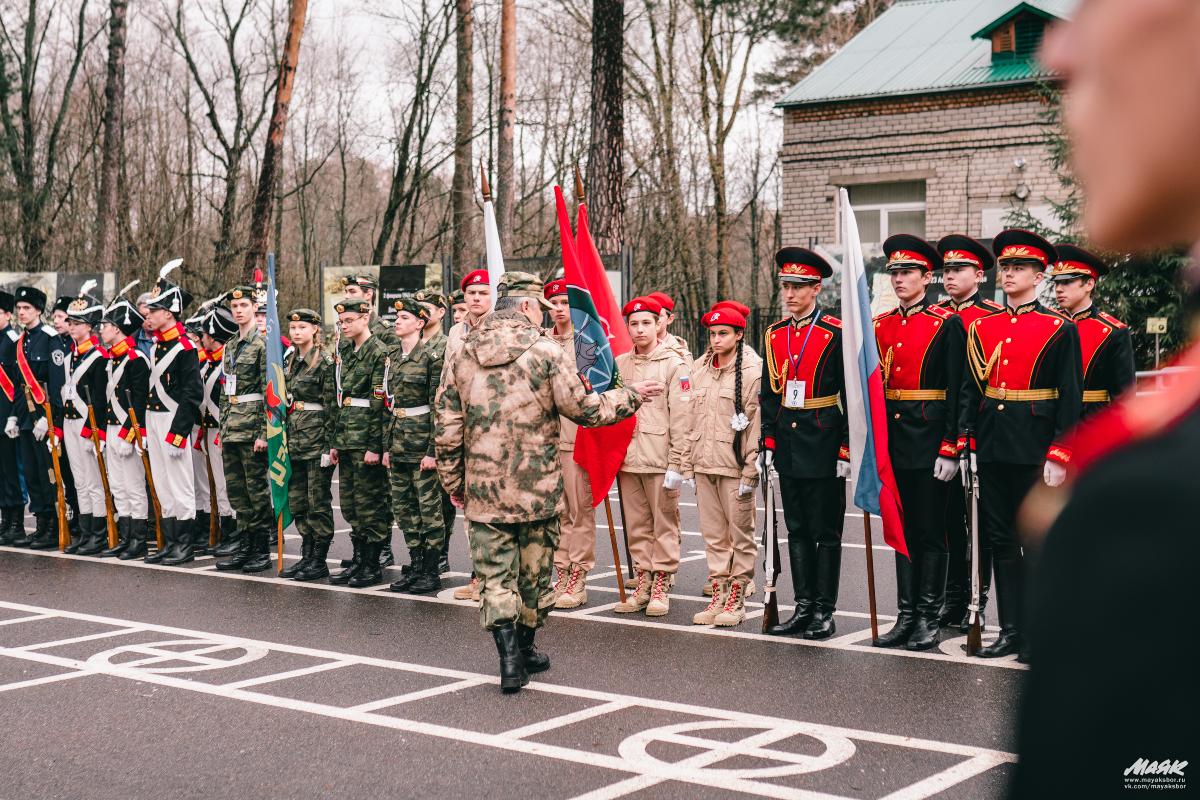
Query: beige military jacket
662, 422
710, 440
566, 428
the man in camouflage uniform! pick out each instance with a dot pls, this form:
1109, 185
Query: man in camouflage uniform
357, 445
364, 287
244, 437
435, 344
312, 412
458, 306
412, 377
497, 452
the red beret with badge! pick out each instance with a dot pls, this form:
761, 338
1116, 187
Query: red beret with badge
475, 278
723, 316
641, 304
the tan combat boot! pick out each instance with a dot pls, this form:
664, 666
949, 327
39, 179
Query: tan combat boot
574, 588
660, 601
734, 610
561, 581
640, 598
468, 592
717, 589
707, 591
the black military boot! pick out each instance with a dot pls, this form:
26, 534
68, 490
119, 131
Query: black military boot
958, 592
15, 531
21, 537
985, 583
1008, 598
168, 530
931, 585
906, 578
409, 573
306, 551
355, 562
369, 572
200, 533
829, 573
95, 537
316, 567
46, 535
79, 539
6, 515
512, 665
244, 552
802, 560
535, 660
427, 581
231, 538
181, 552
386, 557
444, 561
260, 552
122, 539
138, 530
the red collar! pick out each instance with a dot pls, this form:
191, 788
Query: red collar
170, 334
80, 349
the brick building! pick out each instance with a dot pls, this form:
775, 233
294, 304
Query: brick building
932, 121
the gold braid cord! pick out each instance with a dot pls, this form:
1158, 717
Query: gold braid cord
981, 365
778, 379
887, 367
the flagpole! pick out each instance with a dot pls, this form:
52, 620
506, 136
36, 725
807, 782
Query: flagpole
612, 537
870, 575
279, 542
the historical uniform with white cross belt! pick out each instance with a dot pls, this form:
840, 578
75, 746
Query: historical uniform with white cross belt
216, 329
922, 351
806, 437
1021, 396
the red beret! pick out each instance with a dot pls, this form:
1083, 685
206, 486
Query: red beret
723, 315
639, 304
664, 300
474, 278
732, 305
555, 288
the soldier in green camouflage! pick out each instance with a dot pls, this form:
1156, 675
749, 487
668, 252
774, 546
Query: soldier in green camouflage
497, 451
435, 343
364, 287
244, 437
312, 414
357, 445
411, 383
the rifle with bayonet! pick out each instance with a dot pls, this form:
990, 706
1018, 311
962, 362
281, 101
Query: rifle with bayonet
970, 480
214, 517
109, 515
64, 529
771, 555
141, 443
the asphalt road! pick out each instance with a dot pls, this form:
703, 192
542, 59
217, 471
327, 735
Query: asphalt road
124, 680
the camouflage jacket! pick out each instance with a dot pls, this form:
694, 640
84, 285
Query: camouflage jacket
360, 378
310, 382
566, 428
244, 367
497, 420
385, 333
412, 383
436, 345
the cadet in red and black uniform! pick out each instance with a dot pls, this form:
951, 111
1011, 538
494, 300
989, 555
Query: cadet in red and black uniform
805, 436
1021, 395
921, 350
964, 263
1104, 341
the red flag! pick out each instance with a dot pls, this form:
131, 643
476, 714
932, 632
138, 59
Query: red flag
600, 336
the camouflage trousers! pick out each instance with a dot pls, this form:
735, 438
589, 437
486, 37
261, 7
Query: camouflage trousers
246, 485
311, 499
363, 491
417, 506
512, 562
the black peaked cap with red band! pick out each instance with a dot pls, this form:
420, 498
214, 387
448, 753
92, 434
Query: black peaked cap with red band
1075, 262
801, 265
958, 250
905, 251
1016, 243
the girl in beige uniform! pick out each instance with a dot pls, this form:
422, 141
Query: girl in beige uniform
651, 474
721, 455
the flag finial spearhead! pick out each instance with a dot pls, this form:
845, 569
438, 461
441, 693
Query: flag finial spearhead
485, 188
579, 194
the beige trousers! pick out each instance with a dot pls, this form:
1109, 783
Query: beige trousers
651, 521
577, 524
727, 523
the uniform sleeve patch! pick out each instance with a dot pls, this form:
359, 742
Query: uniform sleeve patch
831, 320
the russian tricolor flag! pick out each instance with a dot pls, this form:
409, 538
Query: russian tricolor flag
875, 488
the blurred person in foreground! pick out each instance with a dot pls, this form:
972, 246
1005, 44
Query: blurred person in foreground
1107, 698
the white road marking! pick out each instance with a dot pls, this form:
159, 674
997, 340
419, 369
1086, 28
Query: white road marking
420, 694
73, 640
633, 758
283, 676
30, 618
66, 676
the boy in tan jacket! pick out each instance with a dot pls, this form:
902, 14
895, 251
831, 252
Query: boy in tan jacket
721, 455
650, 476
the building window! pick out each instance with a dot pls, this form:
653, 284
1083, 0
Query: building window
883, 209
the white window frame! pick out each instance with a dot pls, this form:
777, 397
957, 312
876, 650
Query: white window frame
884, 209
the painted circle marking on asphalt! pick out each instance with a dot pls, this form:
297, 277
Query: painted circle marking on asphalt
198, 653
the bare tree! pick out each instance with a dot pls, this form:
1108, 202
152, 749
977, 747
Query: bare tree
508, 112
606, 173
114, 138
463, 203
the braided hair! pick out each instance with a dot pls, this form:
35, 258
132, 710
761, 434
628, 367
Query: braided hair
738, 405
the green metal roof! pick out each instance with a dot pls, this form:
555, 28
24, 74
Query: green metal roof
923, 46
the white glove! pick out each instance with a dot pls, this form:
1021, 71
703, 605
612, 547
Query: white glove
944, 469
176, 452
122, 448
765, 459
10, 428
1054, 474
326, 461
672, 480
843, 469
744, 489
39, 429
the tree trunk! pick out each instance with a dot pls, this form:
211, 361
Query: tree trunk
261, 219
606, 177
508, 108
462, 202
114, 139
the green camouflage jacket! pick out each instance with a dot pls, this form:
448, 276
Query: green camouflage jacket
498, 419
436, 345
412, 383
361, 378
385, 333
244, 365
310, 381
